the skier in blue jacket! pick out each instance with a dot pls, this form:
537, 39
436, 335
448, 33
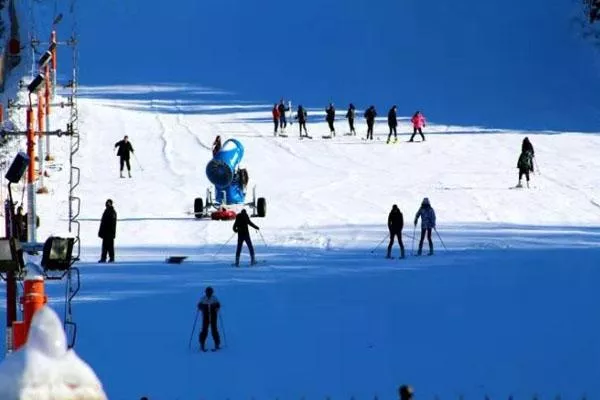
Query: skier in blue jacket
427, 215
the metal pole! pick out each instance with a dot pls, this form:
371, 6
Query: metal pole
47, 98
31, 226
41, 129
193, 329
11, 279
54, 62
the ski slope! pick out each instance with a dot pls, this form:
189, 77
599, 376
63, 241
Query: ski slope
324, 315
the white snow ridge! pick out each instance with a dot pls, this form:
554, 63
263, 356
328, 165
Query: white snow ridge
44, 369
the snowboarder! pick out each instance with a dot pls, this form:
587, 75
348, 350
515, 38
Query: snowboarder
392, 123
240, 226
210, 306
107, 231
282, 108
427, 215
418, 121
405, 392
301, 116
370, 115
525, 165
125, 148
216, 145
330, 118
276, 116
395, 225
350, 117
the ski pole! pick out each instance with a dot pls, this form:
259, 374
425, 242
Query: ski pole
223, 329
536, 166
138, 162
445, 248
379, 244
412, 246
262, 237
223, 245
193, 329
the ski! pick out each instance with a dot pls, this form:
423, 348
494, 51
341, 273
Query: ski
327, 137
305, 137
282, 135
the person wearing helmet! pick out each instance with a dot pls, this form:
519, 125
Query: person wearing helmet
395, 225
240, 226
427, 215
209, 306
107, 231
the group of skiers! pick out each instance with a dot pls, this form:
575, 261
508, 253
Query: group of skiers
280, 120
396, 223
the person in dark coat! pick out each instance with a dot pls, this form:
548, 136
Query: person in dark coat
370, 115
395, 225
216, 147
282, 108
525, 165
240, 226
107, 231
427, 215
20, 225
330, 118
302, 115
124, 148
209, 306
350, 117
392, 123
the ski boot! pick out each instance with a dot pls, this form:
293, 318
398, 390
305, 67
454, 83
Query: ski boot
129, 172
121, 174
395, 140
253, 262
519, 185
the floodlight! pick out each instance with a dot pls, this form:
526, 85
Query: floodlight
10, 255
57, 253
36, 84
45, 58
17, 167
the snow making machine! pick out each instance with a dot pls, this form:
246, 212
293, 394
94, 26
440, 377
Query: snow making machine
230, 184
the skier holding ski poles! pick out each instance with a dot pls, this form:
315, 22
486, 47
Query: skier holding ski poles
427, 215
210, 306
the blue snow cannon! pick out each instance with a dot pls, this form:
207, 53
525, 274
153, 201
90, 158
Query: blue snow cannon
230, 184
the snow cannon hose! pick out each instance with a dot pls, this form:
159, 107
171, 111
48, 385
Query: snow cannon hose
221, 169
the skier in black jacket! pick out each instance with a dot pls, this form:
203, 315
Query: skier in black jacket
242, 221
330, 117
392, 123
282, 118
301, 115
125, 148
370, 115
395, 225
210, 306
350, 116
107, 231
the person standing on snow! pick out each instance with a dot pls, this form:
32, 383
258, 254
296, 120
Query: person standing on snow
350, 117
370, 115
107, 231
240, 226
216, 147
427, 215
395, 225
124, 148
418, 121
392, 123
210, 306
282, 108
525, 165
276, 116
330, 118
301, 115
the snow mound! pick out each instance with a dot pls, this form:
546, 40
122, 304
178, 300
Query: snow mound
45, 369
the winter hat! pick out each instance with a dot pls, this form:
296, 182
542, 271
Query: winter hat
426, 202
209, 291
394, 207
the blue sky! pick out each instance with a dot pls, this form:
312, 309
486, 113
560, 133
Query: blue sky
498, 63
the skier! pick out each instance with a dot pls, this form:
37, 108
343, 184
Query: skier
527, 146
370, 115
216, 145
427, 215
418, 121
395, 225
276, 116
330, 117
350, 117
301, 116
242, 220
210, 306
282, 108
392, 123
123, 153
107, 231
525, 165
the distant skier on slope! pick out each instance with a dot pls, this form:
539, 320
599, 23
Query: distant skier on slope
525, 165
216, 147
427, 215
124, 148
276, 117
330, 118
350, 117
392, 123
370, 115
209, 306
240, 226
107, 232
301, 116
282, 118
395, 225
418, 121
